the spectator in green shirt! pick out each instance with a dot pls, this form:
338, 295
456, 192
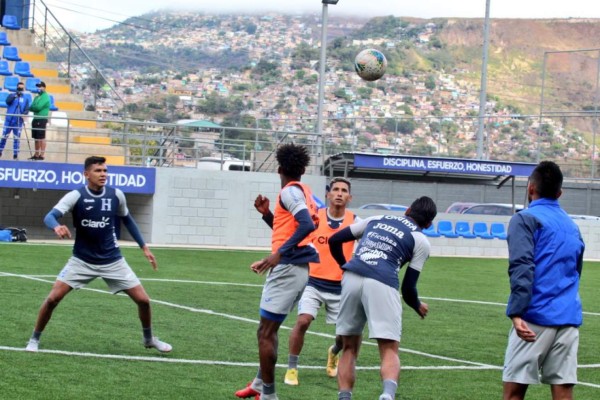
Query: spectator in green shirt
41, 108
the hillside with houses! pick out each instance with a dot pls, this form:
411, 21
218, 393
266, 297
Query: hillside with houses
261, 72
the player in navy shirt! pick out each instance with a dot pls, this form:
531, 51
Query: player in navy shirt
97, 209
370, 287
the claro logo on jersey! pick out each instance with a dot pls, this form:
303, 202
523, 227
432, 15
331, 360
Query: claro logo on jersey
322, 239
88, 223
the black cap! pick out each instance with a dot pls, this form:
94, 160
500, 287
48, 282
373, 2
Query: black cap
40, 84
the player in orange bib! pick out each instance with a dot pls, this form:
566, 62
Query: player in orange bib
293, 223
324, 281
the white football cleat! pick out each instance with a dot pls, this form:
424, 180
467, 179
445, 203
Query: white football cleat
32, 345
158, 345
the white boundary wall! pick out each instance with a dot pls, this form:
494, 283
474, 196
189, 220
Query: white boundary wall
215, 208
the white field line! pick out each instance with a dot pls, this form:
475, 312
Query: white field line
489, 303
232, 364
254, 321
473, 365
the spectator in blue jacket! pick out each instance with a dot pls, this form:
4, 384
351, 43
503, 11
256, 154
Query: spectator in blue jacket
18, 106
545, 260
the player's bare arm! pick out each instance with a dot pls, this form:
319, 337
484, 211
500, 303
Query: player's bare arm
62, 231
262, 203
150, 257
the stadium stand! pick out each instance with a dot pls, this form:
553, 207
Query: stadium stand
431, 232
30, 84
3, 96
4, 39
10, 83
4, 69
463, 228
22, 68
498, 230
480, 229
10, 22
53, 106
446, 229
11, 53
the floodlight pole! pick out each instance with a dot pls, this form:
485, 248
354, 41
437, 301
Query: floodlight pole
483, 92
319, 150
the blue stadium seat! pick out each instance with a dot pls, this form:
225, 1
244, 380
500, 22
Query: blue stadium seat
10, 22
480, 229
463, 228
10, 83
498, 230
22, 68
3, 96
11, 53
53, 106
445, 228
4, 69
30, 85
4, 39
431, 232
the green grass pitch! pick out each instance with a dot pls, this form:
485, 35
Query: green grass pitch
205, 303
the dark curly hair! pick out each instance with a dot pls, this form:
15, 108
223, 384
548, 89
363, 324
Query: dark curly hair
423, 210
293, 160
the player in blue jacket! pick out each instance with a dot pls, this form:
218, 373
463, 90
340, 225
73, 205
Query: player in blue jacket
96, 209
545, 252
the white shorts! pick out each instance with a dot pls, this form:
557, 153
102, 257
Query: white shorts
283, 288
551, 359
365, 300
312, 300
117, 275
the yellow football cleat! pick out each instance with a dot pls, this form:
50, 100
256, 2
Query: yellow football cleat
332, 363
291, 377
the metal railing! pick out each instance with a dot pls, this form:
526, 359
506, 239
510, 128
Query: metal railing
72, 60
507, 138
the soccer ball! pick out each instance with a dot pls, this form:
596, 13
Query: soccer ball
370, 64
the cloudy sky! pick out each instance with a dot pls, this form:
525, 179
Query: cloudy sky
88, 16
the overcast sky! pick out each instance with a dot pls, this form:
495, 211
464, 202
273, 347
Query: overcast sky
84, 15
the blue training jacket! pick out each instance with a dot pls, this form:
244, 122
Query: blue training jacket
545, 260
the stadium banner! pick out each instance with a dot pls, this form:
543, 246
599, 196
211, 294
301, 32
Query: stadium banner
61, 176
444, 165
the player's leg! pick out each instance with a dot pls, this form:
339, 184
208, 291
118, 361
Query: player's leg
559, 368
390, 367
296, 343
58, 292
514, 391
332, 309
267, 352
350, 324
384, 314
120, 278
562, 392
308, 308
346, 368
141, 299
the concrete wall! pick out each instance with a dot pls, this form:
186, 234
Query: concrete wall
214, 208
